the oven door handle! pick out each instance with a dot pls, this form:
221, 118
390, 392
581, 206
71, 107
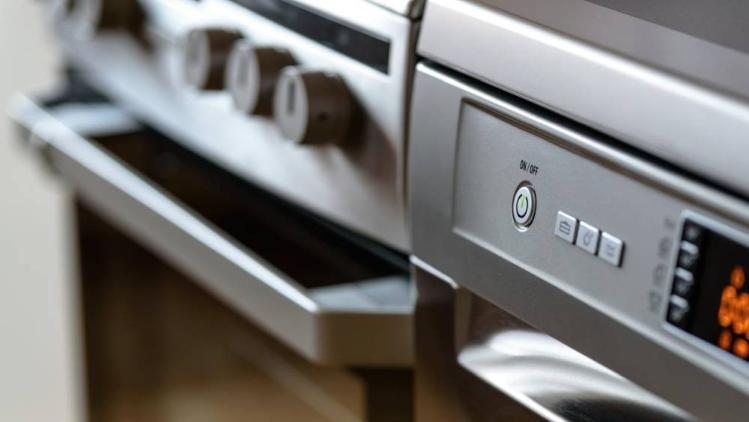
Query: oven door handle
545, 375
328, 327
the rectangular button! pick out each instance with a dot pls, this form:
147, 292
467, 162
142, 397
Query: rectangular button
587, 238
683, 283
689, 256
678, 311
611, 249
566, 227
692, 233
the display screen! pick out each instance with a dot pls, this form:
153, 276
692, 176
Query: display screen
718, 306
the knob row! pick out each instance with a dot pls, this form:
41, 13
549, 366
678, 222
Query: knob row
309, 107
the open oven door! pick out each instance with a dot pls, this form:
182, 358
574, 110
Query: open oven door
335, 300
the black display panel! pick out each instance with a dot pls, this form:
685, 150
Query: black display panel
717, 298
341, 37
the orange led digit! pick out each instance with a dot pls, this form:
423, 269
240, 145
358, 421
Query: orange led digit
738, 277
741, 348
741, 318
725, 340
725, 312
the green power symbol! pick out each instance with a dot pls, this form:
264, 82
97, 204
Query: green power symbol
522, 206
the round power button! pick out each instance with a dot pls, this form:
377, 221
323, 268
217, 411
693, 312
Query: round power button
524, 206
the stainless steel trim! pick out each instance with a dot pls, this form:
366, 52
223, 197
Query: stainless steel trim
690, 120
330, 326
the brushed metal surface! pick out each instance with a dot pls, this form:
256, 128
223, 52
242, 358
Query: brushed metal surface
477, 362
464, 168
360, 186
680, 98
722, 23
327, 325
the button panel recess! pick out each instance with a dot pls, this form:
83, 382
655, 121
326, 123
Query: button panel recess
589, 238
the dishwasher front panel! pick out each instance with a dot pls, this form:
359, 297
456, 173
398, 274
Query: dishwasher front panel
573, 233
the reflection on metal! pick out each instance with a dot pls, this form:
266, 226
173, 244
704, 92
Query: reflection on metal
558, 382
476, 362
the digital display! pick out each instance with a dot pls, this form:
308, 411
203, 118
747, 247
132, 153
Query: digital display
721, 311
711, 289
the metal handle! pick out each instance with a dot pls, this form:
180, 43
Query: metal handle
332, 325
544, 374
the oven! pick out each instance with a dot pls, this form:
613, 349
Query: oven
238, 169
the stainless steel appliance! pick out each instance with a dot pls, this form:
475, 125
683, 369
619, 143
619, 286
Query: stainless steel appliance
567, 176
257, 149
579, 210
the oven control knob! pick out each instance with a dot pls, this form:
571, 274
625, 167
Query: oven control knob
252, 74
88, 17
206, 53
312, 107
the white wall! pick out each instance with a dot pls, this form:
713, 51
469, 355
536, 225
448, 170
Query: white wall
38, 359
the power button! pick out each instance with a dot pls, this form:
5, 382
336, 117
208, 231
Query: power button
524, 206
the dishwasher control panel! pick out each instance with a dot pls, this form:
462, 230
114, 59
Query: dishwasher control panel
623, 256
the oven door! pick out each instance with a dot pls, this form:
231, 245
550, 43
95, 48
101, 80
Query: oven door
329, 325
318, 321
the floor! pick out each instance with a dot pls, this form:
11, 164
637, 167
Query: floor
37, 324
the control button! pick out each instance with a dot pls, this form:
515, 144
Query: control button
252, 74
683, 283
692, 233
312, 107
689, 256
206, 53
678, 311
524, 205
565, 227
611, 249
587, 238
